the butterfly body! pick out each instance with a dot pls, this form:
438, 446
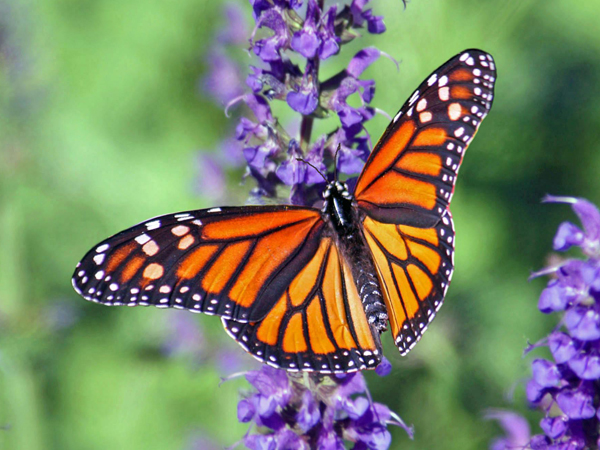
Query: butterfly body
342, 215
306, 289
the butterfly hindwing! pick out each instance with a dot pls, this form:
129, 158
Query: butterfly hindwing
410, 175
318, 323
415, 267
226, 261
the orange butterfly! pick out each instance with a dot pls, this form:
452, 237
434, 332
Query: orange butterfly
303, 289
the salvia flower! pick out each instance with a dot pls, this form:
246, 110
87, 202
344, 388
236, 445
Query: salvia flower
297, 412
567, 387
291, 42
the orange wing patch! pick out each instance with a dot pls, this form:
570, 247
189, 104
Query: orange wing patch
268, 331
320, 342
430, 137
251, 226
224, 267
385, 154
195, 261
461, 75
406, 190
422, 163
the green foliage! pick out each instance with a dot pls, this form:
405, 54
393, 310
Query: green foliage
100, 122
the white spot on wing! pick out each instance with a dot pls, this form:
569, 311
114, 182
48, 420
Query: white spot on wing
153, 225
142, 238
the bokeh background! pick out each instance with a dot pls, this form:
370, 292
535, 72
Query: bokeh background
104, 123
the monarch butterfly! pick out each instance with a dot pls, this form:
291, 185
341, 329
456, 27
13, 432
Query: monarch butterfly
307, 289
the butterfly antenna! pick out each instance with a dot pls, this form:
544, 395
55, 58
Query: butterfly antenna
314, 167
335, 161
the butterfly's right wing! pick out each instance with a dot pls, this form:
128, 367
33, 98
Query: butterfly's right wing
405, 189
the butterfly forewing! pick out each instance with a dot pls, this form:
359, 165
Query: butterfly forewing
224, 261
415, 163
406, 186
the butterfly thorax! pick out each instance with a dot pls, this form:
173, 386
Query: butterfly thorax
344, 221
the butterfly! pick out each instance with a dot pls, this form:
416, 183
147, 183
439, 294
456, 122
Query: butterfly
304, 289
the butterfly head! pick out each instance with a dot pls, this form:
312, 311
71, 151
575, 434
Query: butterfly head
338, 206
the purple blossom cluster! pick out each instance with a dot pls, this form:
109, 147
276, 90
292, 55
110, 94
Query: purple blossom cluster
291, 40
324, 414
567, 388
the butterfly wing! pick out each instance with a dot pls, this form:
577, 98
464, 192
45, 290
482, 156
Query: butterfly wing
405, 189
318, 323
230, 262
410, 174
284, 291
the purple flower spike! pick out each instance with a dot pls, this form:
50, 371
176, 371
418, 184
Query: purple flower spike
567, 236
268, 49
374, 23
572, 381
309, 414
576, 404
534, 391
301, 412
271, 383
245, 410
363, 59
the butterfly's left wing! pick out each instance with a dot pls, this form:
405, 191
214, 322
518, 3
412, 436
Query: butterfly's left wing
231, 262
405, 189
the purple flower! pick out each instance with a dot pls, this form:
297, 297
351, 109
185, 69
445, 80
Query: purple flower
516, 429
305, 98
307, 40
269, 48
223, 81
568, 234
280, 31
235, 31
568, 388
330, 42
320, 412
374, 23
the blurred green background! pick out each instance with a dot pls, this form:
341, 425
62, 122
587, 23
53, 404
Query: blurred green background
101, 124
